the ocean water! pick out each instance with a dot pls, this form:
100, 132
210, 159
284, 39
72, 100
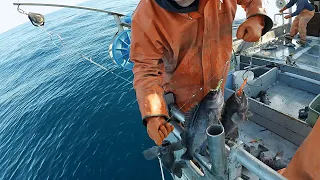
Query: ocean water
62, 117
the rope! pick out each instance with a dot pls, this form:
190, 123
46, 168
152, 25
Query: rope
161, 169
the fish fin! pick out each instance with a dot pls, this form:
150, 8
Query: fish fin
252, 148
186, 156
234, 134
249, 114
151, 153
183, 164
177, 170
229, 127
280, 164
246, 147
203, 149
262, 148
278, 155
176, 146
189, 116
236, 118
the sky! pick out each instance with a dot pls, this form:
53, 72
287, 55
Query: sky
11, 18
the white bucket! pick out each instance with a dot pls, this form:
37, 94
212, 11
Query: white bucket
239, 76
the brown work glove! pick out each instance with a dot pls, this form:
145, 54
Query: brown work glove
251, 29
158, 129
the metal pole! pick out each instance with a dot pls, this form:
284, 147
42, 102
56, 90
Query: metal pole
216, 143
176, 113
68, 6
161, 169
290, 19
118, 21
255, 166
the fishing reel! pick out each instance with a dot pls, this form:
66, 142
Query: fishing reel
281, 3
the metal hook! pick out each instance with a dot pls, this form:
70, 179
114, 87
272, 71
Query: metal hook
219, 84
21, 10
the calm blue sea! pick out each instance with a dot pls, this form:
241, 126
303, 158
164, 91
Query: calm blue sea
62, 117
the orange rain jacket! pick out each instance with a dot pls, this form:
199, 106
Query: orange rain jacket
182, 52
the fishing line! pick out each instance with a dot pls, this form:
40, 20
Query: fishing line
38, 21
194, 95
243, 78
102, 67
62, 44
52, 34
161, 169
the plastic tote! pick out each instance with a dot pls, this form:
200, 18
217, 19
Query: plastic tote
314, 111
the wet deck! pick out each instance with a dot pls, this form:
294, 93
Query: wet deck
307, 57
288, 103
248, 132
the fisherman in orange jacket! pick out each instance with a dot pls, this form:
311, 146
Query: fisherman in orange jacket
182, 46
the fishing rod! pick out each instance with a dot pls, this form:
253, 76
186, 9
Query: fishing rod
38, 20
115, 15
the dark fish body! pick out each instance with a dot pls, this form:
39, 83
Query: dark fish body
236, 110
166, 154
255, 151
276, 163
198, 119
263, 97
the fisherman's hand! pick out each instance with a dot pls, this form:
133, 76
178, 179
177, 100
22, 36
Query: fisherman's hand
283, 9
158, 129
288, 16
251, 29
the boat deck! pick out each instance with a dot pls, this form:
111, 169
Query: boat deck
307, 57
288, 103
248, 132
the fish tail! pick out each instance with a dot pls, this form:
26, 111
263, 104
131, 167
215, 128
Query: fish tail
151, 153
177, 168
